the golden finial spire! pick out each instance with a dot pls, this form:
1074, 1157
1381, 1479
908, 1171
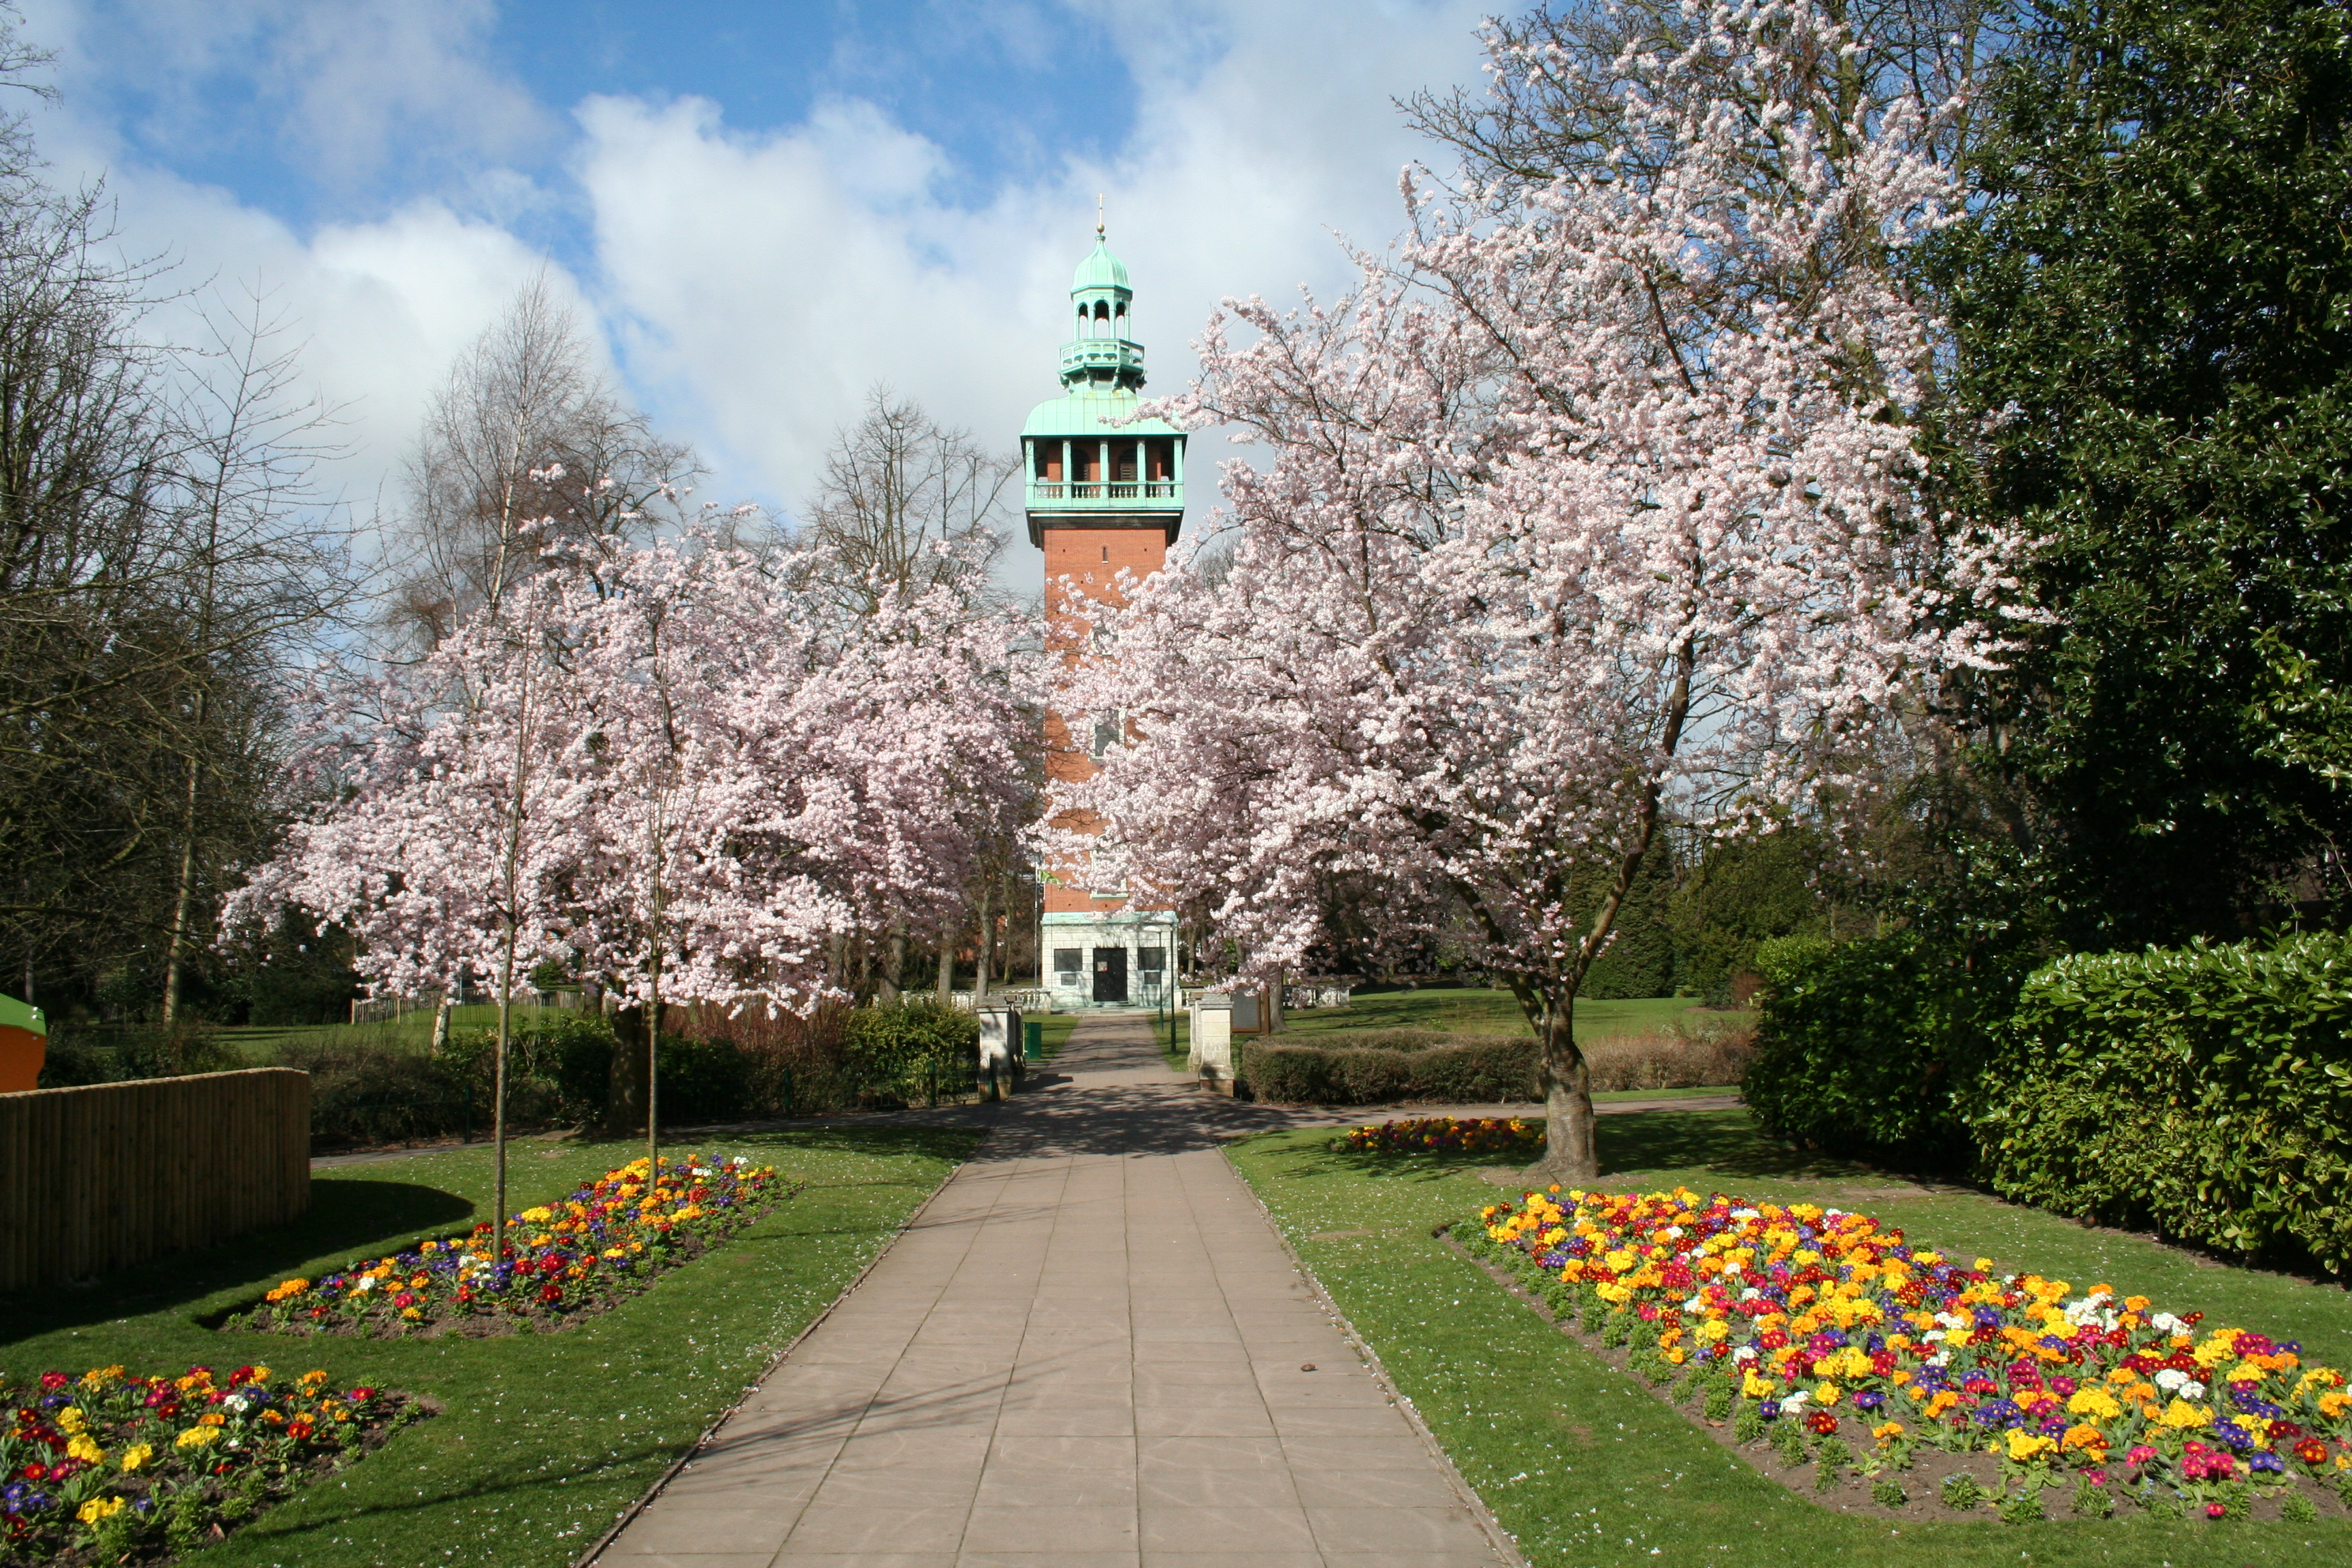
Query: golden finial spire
1098, 215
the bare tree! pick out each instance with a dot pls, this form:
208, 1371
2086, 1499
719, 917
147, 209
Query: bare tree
907, 503
266, 566
523, 433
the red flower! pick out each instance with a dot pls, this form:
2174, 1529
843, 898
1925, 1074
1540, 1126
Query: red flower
2311, 1451
37, 1473
53, 1381
1822, 1423
550, 1292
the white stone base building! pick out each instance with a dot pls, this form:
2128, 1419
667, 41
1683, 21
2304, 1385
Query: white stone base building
1109, 958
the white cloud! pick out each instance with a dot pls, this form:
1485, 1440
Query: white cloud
760, 283
755, 285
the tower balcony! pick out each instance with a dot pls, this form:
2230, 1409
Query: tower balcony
1150, 495
1087, 356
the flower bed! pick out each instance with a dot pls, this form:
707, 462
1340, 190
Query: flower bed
1842, 1347
565, 1260
107, 1467
1511, 1138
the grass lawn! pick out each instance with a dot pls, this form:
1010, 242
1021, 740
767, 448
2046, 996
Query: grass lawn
1585, 1466
260, 1043
543, 1438
1467, 1011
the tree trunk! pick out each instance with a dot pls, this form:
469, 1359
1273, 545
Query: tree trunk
440, 1042
176, 944
1569, 1155
987, 946
624, 1103
946, 989
894, 968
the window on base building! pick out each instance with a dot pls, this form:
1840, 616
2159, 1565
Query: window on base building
1068, 963
1154, 960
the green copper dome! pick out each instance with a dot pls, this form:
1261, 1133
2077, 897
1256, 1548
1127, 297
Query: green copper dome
1100, 269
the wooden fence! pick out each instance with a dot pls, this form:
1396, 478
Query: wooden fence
97, 1178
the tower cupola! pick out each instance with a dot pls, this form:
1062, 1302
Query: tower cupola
1101, 354
1090, 462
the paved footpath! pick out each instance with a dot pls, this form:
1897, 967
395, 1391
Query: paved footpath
1090, 1350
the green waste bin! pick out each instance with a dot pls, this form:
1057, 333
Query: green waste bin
1033, 1040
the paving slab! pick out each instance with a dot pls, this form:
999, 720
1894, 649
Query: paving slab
1089, 1348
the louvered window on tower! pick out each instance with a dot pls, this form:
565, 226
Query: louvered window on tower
1067, 963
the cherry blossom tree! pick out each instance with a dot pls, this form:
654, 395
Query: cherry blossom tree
668, 767
452, 833
1565, 523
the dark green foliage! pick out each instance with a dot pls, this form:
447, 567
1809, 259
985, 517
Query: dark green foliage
2022, 1507
2294, 1508
2204, 1093
1961, 1491
1887, 1492
1640, 960
1869, 1049
901, 1047
1748, 1425
2158, 294
114, 1055
2095, 1501
1744, 892
299, 973
1717, 1407
1473, 1070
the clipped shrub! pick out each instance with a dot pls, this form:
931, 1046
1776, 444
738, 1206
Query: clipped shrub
1472, 1070
365, 1094
899, 1049
1871, 1048
2204, 1093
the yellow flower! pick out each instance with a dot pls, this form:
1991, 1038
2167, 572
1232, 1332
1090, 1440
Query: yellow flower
137, 1455
198, 1437
1827, 1393
80, 1446
1755, 1387
70, 1419
2096, 1401
1887, 1431
2085, 1435
2024, 1445
99, 1376
2185, 1416
538, 1216
100, 1508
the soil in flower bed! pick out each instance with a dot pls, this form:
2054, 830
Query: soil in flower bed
111, 1468
2005, 1401
566, 1261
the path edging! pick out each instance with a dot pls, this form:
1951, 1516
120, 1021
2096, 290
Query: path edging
1501, 1540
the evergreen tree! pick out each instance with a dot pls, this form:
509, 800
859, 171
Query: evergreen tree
2158, 300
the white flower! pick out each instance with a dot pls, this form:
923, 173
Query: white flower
2170, 1379
2168, 1323
1745, 1214
2193, 1389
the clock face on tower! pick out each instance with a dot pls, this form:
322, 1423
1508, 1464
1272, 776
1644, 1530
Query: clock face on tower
1104, 494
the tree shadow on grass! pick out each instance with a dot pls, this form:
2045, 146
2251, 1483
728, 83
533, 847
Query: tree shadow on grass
1723, 1143
345, 1217
1720, 1143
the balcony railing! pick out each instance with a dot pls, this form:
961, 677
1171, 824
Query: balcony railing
1121, 489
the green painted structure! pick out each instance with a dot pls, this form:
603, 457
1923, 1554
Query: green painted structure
1088, 462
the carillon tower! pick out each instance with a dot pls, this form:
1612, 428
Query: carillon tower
1105, 494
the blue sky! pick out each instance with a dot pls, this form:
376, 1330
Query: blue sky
757, 210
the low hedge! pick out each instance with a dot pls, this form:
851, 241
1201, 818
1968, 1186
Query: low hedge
2203, 1092
1871, 1049
1470, 1070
